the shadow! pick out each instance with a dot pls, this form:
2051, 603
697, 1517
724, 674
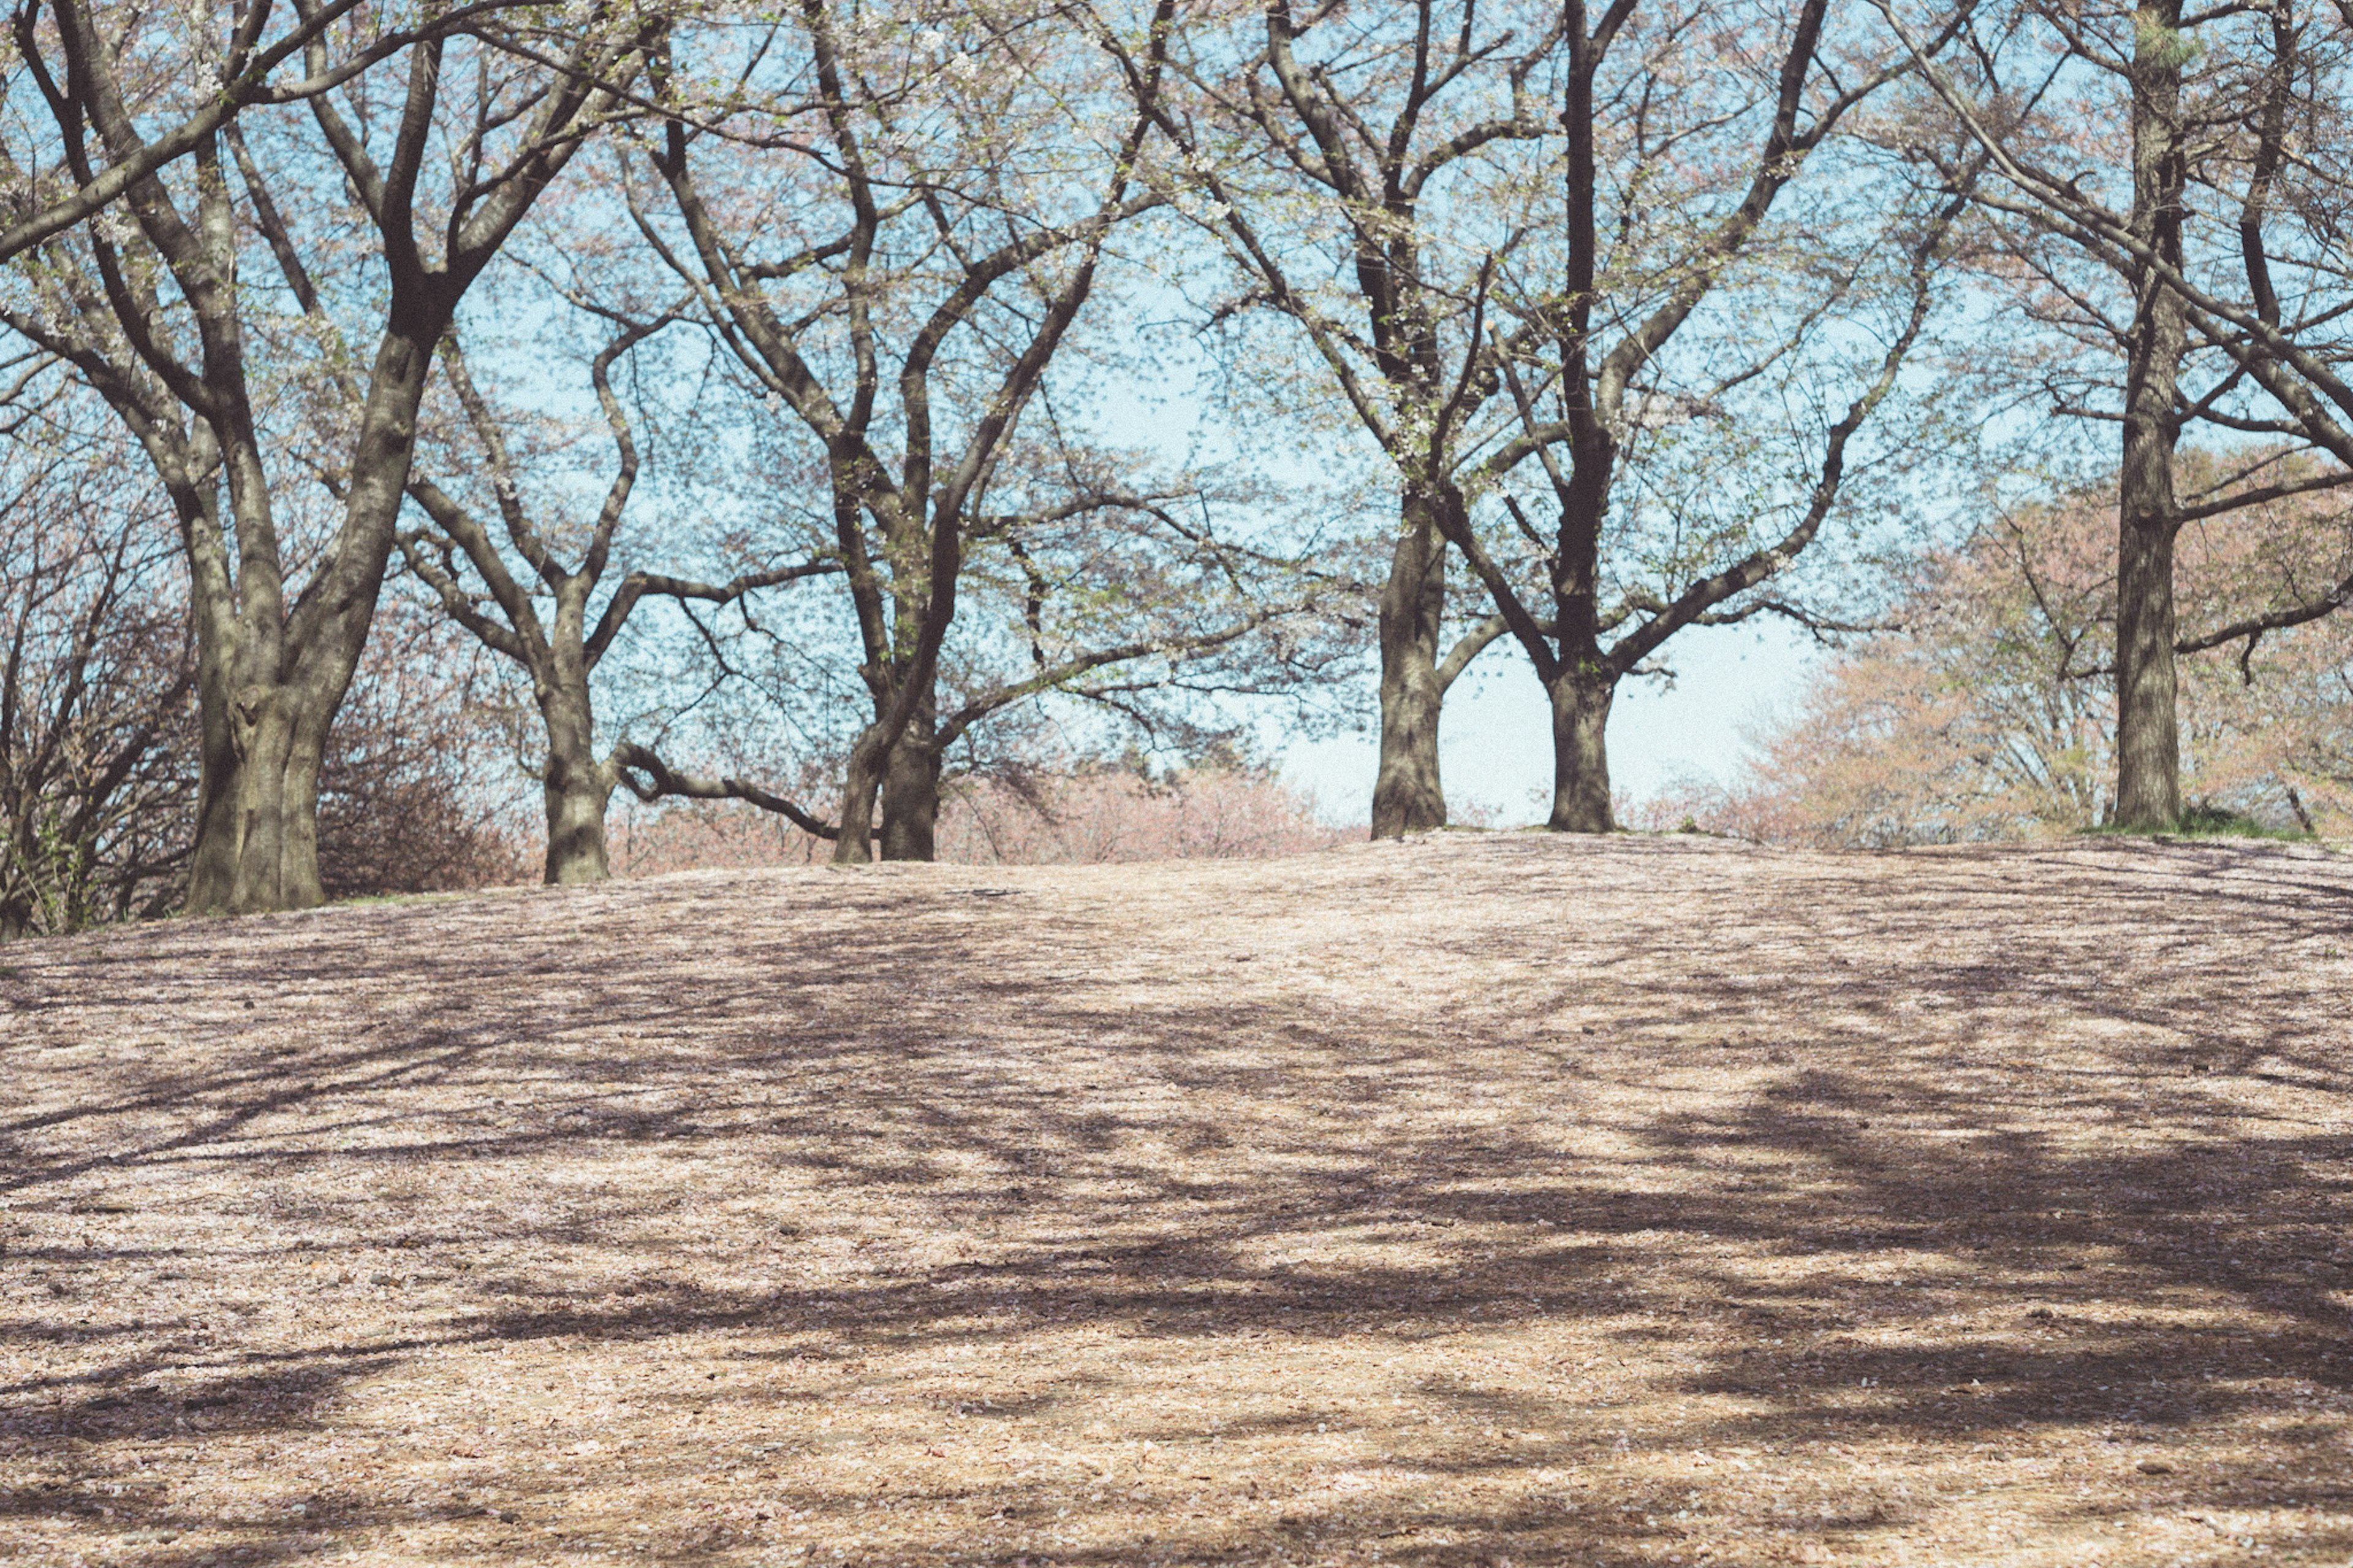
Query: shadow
2023, 1169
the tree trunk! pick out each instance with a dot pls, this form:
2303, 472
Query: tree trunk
267, 697
1407, 795
911, 788
1580, 751
2149, 741
257, 843
212, 859
300, 884
576, 790
258, 806
853, 846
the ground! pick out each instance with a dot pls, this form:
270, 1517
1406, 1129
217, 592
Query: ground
1483, 1199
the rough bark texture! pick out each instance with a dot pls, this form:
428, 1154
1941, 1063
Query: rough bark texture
1407, 795
861, 778
576, 789
274, 679
911, 788
2148, 744
260, 730
1580, 703
1582, 683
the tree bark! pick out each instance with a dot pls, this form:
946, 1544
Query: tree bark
576, 788
2149, 741
250, 815
1407, 795
854, 844
911, 787
258, 804
1581, 698
212, 859
1583, 681
271, 694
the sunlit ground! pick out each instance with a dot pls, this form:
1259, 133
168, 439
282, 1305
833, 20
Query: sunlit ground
1484, 1199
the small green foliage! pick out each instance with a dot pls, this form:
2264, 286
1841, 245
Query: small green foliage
2165, 48
2203, 820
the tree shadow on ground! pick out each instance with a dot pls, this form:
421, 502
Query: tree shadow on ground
1976, 1245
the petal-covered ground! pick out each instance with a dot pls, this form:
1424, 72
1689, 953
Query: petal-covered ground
1481, 1199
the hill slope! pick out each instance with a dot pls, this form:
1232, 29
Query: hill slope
1476, 1198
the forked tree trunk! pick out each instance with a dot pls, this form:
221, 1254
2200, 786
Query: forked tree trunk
1580, 701
911, 789
1407, 795
267, 700
576, 790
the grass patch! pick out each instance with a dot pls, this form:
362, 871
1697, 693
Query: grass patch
2208, 822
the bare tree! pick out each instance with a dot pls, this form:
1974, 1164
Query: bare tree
98, 735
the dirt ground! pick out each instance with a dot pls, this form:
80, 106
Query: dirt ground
1484, 1199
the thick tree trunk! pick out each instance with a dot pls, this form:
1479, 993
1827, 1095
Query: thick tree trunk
1580, 751
257, 840
269, 696
1407, 795
575, 790
911, 789
2149, 741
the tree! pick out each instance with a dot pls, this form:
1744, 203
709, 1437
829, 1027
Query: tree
2165, 153
206, 81
892, 238
1990, 712
154, 313
559, 647
1626, 366
97, 674
1418, 144
99, 738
